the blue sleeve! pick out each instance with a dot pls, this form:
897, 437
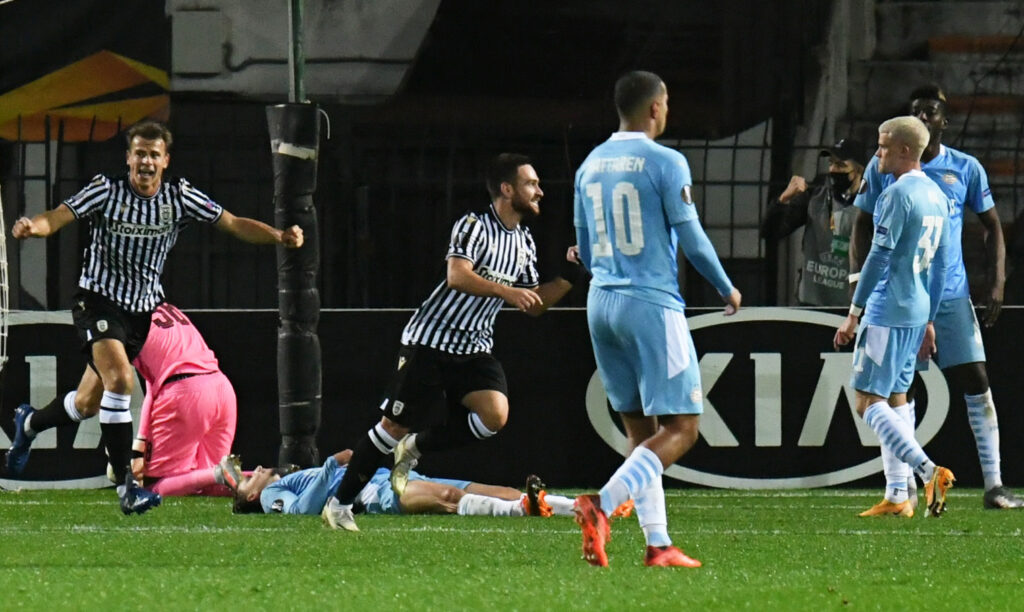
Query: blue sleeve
277, 492
312, 497
870, 188
939, 267
979, 195
890, 217
583, 242
874, 267
702, 255
937, 280
675, 177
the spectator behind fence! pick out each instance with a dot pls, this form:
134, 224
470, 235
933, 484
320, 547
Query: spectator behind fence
823, 206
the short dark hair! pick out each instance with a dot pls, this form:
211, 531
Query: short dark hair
246, 506
503, 169
931, 91
634, 90
149, 130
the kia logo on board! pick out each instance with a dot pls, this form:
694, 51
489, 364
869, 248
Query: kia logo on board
778, 407
45, 360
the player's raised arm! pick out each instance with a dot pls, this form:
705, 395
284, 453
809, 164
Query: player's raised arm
258, 232
43, 224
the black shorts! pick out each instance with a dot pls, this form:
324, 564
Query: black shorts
427, 380
97, 318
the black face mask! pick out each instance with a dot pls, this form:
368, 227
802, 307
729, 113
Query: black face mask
839, 183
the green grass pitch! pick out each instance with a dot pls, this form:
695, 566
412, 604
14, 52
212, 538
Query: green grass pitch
787, 550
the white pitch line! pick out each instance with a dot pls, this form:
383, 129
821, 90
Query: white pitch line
85, 529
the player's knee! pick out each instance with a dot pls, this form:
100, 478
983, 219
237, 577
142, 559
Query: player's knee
87, 401
119, 379
684, 430
451, 495
494, 419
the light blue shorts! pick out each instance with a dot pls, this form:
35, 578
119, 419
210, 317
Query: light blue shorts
957, 335
644, 354
378, 497
884, 358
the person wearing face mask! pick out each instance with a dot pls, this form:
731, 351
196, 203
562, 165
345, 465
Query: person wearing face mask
823, 208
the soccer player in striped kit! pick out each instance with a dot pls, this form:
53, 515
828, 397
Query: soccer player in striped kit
134, 222
446, 346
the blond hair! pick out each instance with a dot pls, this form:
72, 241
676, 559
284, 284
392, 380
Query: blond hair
909, 131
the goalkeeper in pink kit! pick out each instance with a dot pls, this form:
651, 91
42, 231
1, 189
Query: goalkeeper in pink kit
189, 413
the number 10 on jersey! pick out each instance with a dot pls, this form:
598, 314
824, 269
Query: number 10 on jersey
629, 229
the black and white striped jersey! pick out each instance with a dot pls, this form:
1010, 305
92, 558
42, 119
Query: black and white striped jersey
463, 324
131, 236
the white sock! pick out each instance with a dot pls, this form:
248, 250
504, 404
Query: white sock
69, 407
114, 408
897, 434
477, 427
650, 511
381, 439
560, 505
981, 414
910, 416
640, 468
481, 505
896, 472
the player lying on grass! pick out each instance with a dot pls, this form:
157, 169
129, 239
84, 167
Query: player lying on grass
308, 491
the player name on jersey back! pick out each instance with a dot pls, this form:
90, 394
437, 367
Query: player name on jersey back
625, 163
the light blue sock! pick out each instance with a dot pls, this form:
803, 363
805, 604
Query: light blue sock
640, 468
981, 414
898, 435
650, 511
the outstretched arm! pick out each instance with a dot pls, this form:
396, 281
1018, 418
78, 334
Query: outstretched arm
43, 224
258, 232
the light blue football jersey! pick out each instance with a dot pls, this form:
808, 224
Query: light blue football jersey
963, 180
912, 219
628, 197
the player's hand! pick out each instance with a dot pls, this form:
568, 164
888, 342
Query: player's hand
846, 332
292, 238
138, 468
22, 228
797, 185
927, 343
573, 254
732, 302
993, 306
343, 457
523, 299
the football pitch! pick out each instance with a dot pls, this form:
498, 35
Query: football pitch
784, 550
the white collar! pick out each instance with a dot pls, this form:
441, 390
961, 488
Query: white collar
914, 172
628, 136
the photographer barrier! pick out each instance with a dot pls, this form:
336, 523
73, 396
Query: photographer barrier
777, 400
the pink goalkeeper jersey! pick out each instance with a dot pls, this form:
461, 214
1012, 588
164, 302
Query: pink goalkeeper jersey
173, 346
